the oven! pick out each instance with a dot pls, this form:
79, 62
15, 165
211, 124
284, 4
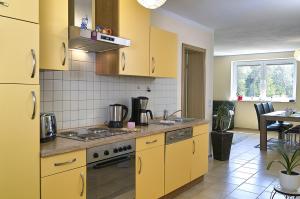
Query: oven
112, 175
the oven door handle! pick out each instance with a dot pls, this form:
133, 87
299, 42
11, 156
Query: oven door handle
111, 162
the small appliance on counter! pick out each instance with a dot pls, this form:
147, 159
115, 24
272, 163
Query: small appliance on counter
48, 128
117, 115
139, 111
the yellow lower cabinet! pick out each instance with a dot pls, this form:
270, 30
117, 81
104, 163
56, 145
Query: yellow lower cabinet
150, 173
66, 185
178, 165
200, 156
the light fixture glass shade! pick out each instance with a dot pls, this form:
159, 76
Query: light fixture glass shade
297, 55
152, 4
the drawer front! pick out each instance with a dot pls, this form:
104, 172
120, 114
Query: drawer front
19, 52
150, 141
27, 10
59, 163
201, 129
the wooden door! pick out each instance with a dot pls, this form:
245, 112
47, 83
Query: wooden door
66, 185
150, 173
54, 34
163, 53
134, 24
177, 165
200, 156
19, 51
27, 10
20, 142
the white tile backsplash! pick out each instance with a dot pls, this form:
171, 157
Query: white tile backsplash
79, 97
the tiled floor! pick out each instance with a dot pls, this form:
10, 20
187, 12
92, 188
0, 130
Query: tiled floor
244, 176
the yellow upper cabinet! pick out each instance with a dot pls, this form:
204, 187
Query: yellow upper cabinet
54, 34
27, 10
163, 53
128, 19
19, 53
20, 142
200, 156
134, 24
66, 185
150, 173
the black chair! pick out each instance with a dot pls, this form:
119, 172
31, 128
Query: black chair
266, 107
271, 107
272, 125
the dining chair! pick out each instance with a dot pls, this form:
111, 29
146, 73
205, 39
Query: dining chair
266, 107
271, 107
272, 125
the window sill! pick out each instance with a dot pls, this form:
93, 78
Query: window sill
262, 101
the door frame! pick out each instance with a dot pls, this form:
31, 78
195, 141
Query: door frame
186, 47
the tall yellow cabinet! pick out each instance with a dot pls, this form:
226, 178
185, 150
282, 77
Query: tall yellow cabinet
54, 34
19, 102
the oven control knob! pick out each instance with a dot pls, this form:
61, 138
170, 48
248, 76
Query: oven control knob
96, 155
129, 147
120, 149
115, 150
106, 152
124, 148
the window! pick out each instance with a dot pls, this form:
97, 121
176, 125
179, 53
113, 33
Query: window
268, 80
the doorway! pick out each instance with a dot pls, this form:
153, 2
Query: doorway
193, 82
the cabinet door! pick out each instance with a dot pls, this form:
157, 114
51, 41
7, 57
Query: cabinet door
177, 165
19, 52
19, 144
25, 10
66, 185
150, 173
54, 34
163, 53
134, 24
200, 156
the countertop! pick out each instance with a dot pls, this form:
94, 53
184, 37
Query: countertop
64, 145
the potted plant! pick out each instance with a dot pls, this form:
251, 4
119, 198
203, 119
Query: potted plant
221, 138
289, 179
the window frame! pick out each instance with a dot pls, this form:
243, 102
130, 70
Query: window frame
263, 64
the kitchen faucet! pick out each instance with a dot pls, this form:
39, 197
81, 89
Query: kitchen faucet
166, 116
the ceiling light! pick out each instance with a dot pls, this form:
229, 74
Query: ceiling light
297, 55
152, 4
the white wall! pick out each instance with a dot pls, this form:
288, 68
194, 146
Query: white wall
193, 34
245, 112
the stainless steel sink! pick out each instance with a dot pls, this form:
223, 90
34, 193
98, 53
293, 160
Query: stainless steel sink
172, 121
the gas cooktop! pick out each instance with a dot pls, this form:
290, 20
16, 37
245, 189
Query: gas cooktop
91, 133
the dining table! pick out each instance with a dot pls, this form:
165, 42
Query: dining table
280, 116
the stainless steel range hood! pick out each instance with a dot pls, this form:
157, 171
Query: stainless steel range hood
82, 39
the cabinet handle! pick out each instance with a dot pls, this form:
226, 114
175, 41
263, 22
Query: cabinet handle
34, 105
124, 61
153, 64
65, 163
3, 3
33, 63
83, 184
194, 147
152, 142
140, 169
65, 53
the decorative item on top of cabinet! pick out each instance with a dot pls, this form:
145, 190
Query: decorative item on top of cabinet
163, 53
54, 34
127, 19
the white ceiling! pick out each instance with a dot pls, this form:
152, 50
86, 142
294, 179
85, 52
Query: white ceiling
245, 26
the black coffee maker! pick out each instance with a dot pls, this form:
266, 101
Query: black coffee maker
139, 111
